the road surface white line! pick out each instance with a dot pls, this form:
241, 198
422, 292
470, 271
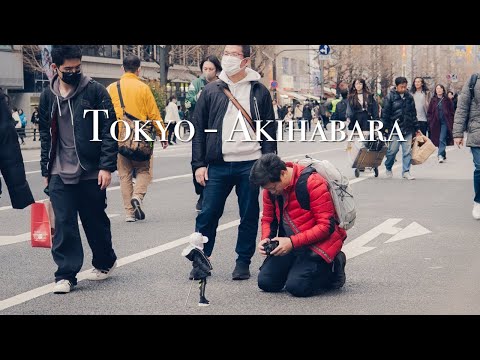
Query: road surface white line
46, 289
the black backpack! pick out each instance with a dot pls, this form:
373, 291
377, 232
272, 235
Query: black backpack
341, 110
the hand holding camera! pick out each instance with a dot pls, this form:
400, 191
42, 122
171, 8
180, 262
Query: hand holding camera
270, 245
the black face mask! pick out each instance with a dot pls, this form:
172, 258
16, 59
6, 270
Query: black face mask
71, 78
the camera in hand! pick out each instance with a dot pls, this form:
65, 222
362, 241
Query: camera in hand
270, 246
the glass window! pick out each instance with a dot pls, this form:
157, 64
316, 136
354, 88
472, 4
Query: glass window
130, 49
6, 47
285, 67
107, 51
147, 53
294, 69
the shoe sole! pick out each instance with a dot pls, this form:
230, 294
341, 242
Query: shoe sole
110, 274
62, 292
242, 277
139, 214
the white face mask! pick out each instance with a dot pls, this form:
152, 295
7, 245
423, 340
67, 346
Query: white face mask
231, 65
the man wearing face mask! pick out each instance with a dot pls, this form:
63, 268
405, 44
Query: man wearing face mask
76, 169
219, 164
210, 67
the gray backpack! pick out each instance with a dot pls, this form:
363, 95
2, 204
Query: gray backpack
338, 185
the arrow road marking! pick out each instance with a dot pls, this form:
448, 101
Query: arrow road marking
357, 246
412, 230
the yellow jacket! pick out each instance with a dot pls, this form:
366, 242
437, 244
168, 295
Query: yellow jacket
138, 100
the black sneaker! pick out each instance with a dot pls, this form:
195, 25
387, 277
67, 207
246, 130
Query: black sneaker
338, 276
198, 207
139, 214
241, 271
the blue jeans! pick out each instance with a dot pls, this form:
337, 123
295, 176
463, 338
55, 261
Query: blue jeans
443, 140
221, 180
394, 146
476, 174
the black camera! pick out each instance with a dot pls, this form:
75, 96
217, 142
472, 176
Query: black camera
270, 246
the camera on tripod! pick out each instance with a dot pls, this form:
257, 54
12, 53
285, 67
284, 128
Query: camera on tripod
270, 245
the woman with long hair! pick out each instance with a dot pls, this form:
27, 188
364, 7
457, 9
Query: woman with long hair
440, 121
362, 106
421, 96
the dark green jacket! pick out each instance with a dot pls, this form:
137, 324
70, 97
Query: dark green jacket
194, 91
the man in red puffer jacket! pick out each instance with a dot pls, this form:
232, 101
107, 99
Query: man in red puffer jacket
307, 255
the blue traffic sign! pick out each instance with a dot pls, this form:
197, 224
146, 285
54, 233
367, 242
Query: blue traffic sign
324, 50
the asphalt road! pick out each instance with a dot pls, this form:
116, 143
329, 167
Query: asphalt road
431, 264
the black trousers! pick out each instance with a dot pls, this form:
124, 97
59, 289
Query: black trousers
423, 127
301, 272
87, 200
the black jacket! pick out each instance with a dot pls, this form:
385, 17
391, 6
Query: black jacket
361, 113
209, 113
93, 155
11, 160
395, 107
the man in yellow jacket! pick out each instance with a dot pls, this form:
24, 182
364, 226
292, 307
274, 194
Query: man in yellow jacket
139, 102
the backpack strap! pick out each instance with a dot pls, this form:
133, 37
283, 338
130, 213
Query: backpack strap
301, 191
471, 85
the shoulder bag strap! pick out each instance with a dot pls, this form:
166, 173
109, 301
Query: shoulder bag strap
122, 104
239, 107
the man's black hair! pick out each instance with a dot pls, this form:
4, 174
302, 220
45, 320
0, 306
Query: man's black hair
246, 50
214, 60
266, 170
131, 63
60, 53
401, 80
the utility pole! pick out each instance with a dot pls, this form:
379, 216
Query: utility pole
163, 65
321, 64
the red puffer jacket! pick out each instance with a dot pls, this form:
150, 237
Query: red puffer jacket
317, 227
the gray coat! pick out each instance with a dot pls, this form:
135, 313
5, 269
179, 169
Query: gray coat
468, 107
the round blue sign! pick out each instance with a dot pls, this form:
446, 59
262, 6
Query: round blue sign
324, 49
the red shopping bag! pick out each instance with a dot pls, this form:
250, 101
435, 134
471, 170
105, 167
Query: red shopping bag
41, 232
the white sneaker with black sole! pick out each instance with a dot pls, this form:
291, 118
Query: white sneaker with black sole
408, 176
137, 209
63, 287
99, 274
476, 211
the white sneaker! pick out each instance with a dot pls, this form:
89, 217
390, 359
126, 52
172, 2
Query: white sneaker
441, 159
408, 176
130, 219
476, 211
98, 274
62, 287
389, 174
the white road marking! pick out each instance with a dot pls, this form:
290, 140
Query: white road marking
412, 230
46, 289
8, 240
186, 175
357, 246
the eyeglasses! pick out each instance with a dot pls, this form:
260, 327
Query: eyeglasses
226, 53
72, 69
